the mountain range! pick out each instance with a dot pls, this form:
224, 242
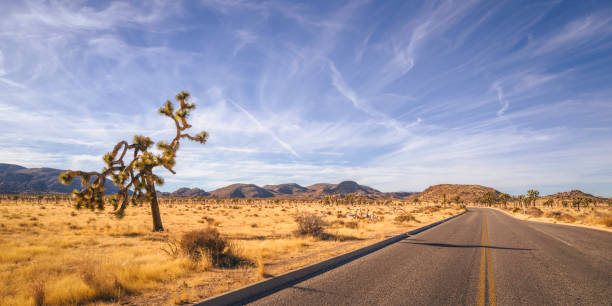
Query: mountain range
16, 179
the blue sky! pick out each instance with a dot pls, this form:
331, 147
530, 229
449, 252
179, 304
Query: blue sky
398, 95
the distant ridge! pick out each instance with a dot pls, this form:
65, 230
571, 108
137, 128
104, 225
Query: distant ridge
241, 191
16, 179
286, 189
188, 193
572, 194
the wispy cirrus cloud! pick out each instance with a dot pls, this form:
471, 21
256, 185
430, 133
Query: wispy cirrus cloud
398, 95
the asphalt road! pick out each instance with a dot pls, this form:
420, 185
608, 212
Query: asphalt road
481, 257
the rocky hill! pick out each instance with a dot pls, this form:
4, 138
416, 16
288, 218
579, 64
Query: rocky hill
286, 189
16, 179
189, 193
241, 191
322, 189
570, 195
467, 193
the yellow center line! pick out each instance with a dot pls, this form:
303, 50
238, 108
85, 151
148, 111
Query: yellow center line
492, 299
486, 269
481, 282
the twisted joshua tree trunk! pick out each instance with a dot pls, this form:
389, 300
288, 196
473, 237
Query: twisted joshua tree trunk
136, 175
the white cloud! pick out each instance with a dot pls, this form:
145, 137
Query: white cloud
244, 38
577, 32
501, 99
267, 130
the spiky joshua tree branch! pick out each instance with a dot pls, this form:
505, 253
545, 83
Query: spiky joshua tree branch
137, 174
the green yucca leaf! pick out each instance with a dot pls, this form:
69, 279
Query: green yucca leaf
85, 179
169, 162
66, 178
158, 180
108, 158
142, 141
169, 107
183, 95
181, 114
202, 136
162, 145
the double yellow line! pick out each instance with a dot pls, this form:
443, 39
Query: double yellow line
486, 269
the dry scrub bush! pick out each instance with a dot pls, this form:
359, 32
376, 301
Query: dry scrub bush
105, 285
534, 212
310, 224
38, 293
429, 209
351, 224
405, 217
209, 243
607, 221
560, 216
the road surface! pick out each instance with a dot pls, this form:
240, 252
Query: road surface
482, 257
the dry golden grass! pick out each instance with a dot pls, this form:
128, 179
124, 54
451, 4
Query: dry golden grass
599, 217
53, 255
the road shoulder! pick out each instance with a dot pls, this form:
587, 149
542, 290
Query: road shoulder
543, 220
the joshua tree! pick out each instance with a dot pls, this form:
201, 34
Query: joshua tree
487, 198
521, 200
504, 197
532, 195
456, 199
136, 174
576, 202
549, 202
587, 201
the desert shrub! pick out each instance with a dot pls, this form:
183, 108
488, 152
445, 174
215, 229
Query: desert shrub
516, 209
351, 224
429, 209
104, 284
534, 212
607, 221
309, 225
38, 293
336, 222
560, 216
209, 242
405, 217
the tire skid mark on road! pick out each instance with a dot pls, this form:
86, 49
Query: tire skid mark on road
486, 287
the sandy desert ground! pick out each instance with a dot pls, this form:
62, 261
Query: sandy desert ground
55, 254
